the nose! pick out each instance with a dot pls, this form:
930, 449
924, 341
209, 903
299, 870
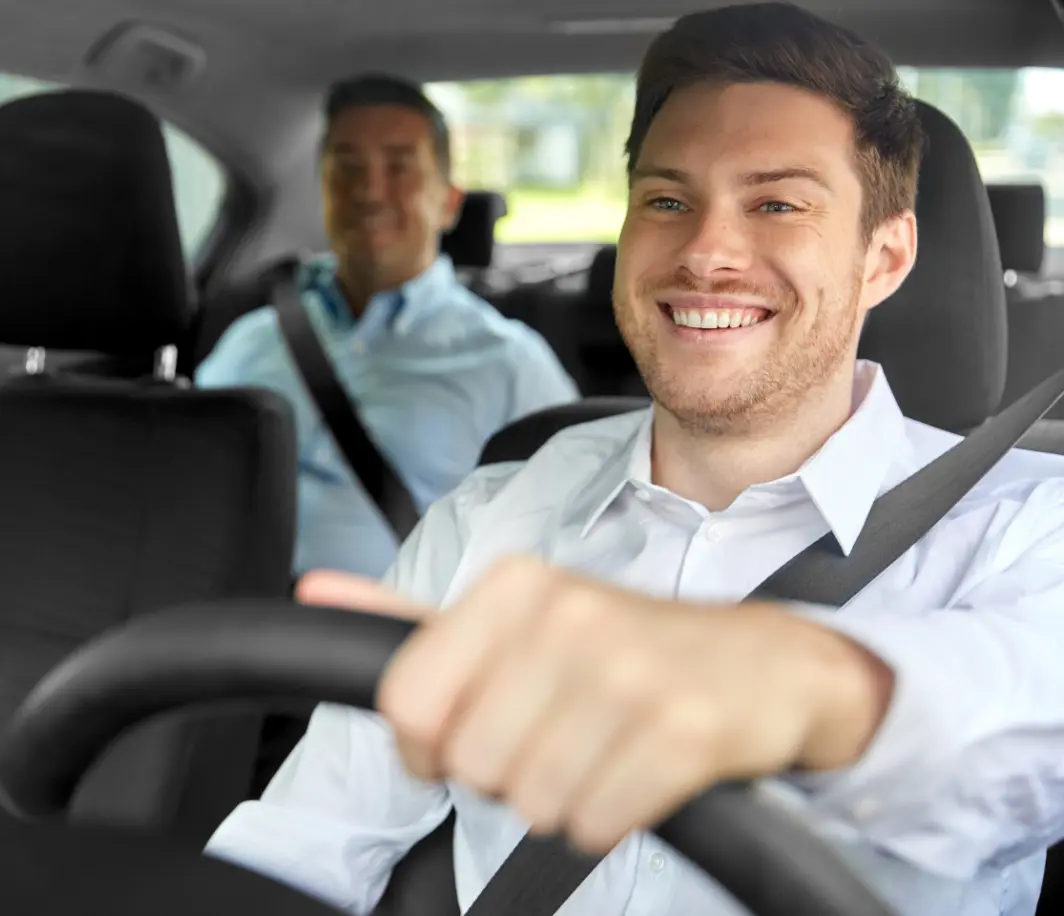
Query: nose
719, 240
369, 186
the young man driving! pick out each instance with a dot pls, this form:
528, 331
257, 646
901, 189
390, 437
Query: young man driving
593, 670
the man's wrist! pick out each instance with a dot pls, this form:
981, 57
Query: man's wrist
851, 690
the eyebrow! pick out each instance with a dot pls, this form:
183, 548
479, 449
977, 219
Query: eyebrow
393, 149
750, 179
678, 176
786, 174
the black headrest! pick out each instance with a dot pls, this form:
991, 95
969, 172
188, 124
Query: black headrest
600, 277
90, 257
1020, 217
471, 243
523, 437
941, 336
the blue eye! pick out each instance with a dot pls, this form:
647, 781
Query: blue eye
778, 206
666, 203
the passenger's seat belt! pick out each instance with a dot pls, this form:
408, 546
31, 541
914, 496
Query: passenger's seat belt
542, 873
339, 413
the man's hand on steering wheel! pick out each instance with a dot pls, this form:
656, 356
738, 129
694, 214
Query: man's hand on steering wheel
595, 711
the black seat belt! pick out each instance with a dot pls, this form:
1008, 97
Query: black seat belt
543, 872
339, 413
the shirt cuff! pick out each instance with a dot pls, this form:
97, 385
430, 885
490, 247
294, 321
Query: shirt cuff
917, 745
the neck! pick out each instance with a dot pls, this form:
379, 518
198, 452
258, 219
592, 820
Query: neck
359, 281
714, 468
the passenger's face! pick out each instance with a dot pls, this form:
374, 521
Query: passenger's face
386, 198
743, 275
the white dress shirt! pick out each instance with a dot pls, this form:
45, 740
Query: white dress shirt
949, 811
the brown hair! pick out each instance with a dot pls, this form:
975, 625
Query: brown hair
781, 43
376, 89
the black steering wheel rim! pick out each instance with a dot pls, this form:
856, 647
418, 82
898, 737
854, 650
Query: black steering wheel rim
277, 651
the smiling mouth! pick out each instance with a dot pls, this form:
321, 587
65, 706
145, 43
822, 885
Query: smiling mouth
716, 319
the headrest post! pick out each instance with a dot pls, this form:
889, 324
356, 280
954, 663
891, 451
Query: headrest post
166, 363
35, 360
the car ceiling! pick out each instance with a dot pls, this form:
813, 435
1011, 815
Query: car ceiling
254, 101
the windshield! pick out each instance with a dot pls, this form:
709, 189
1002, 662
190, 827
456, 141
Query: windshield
554, 144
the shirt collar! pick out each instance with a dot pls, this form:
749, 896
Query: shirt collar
842, 479
396, 310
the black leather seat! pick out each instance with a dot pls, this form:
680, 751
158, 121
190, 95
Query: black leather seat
123, 496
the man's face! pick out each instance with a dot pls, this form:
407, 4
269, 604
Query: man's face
743, 275
385, 196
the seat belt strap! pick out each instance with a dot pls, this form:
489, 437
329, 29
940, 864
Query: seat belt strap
542, 873
339, 412
821, 574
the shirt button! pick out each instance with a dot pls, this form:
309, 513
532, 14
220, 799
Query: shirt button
642, 495
711, 534
359, 347
657, 863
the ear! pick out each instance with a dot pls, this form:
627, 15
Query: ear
889, 259
452, 208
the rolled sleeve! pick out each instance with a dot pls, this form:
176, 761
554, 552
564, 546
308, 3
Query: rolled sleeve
967, 768
343, 810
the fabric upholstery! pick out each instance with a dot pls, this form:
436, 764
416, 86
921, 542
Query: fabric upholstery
90, 256
123, 496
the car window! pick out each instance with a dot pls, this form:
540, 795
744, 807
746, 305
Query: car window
200, 181
554, 144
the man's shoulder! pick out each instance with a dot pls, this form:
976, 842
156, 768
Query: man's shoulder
481, 318
507, 507
1017, 505
553, 471
243, 346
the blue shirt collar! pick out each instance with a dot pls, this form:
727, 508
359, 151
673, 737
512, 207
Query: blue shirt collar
392, 310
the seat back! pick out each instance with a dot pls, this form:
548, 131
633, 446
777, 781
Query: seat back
123, 496
1035, 307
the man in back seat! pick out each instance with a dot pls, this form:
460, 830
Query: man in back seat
773, 163
434, 369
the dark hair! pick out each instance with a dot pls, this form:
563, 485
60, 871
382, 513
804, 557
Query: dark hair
781, 43
382, 89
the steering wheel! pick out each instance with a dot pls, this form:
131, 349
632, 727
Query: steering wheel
211, 652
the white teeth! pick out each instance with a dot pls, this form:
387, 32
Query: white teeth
693, 318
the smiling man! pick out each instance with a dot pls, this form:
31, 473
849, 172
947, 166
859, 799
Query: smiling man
433, 369
593, 669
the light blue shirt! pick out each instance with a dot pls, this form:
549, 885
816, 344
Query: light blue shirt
949, 811
435, 371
